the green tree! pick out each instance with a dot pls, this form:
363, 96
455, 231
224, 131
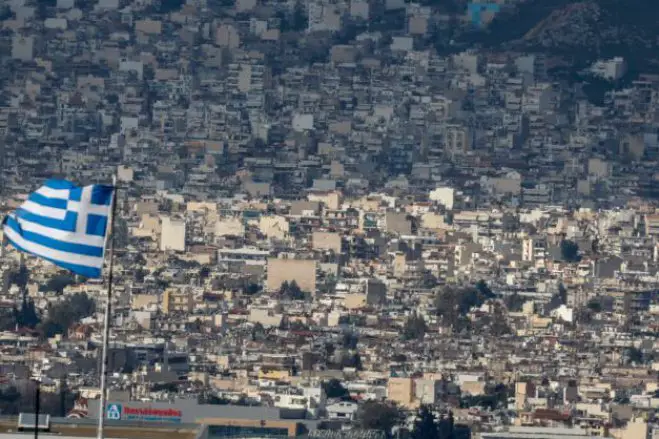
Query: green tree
251, 289
484, 289
300, 17
204, 272
374, 415
499, 325
58, 283
258, 332
291, 291
351, 360
594, 305
27, 315
19, 277
634, 355
510, 222
514, 302
453, 303
415, 328
66, 313
349, 340
446, 427
424, 425
9, 399
140, 274
334, 389
569, 251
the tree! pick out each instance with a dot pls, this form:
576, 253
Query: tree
204, 272
19, 277
258, 332
8, 399
424, 425
483, 289
514, 302
415, 328
583, 315
140, 274
594, 305
251, 289
634, 355
452, 304
350, 340
334, 389
351, 360
300, 17
58, 283
446, 427
298, 21
64, 314
27, 315
554, 302
294, 291
569, 251
291, 291
509, 222
499, 325
378, 416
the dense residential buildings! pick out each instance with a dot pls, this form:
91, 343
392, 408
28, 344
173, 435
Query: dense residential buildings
326, 225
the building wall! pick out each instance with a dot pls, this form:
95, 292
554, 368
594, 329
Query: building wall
274, 226
355, 301
22, 48
326, 241
400, 391
265, 317
141, 301
303, 272
229, 227
426, 390
332, 200
172, 235
177, 301
398, 222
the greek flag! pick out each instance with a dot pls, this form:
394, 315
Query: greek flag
64, 224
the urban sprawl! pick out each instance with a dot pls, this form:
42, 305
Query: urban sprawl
328, 227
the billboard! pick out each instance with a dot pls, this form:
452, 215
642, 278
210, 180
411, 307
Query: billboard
180, 411
131, 412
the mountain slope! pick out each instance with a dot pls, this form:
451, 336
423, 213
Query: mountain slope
581, 30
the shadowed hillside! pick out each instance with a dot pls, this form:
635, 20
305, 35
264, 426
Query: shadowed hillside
581, 30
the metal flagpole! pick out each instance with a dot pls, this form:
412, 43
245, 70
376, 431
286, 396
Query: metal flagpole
106, 321
37, 406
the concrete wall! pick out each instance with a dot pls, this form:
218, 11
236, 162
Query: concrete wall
303, 272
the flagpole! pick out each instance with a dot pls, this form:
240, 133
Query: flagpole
106, 320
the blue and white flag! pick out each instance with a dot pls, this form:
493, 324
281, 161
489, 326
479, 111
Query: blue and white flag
64, 224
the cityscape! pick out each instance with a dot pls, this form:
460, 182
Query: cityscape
340, 219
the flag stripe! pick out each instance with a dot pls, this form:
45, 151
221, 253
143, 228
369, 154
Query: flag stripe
66, 225
40, 199
53, 254
45, 211
98, 241
53, 193
78, 269
69, 247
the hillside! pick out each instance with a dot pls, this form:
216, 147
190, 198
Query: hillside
580, 30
